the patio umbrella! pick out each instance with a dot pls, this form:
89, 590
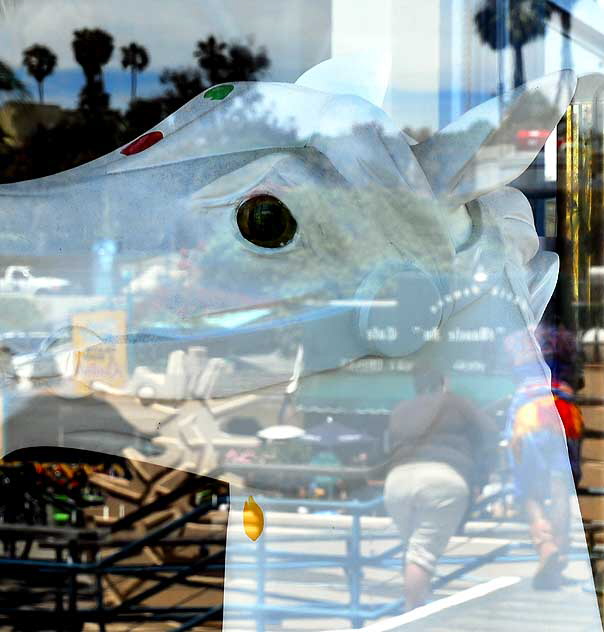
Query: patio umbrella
331, 434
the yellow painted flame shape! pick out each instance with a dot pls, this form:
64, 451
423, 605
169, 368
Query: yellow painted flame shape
253, 519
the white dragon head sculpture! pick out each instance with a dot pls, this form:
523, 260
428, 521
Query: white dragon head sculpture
315, 233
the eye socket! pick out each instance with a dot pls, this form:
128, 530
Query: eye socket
265, 221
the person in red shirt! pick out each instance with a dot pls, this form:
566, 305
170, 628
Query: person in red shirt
572, 420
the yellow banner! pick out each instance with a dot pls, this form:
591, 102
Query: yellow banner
100, 362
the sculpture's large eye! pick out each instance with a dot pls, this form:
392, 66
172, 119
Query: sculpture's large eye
266, 222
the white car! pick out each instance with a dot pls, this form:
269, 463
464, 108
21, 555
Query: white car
20, 279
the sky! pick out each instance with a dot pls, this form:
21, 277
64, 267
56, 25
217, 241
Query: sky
295, 34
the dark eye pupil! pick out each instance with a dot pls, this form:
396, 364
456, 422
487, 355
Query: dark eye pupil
265, 221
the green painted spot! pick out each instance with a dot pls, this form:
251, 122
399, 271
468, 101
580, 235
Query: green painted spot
217, 93
61, 517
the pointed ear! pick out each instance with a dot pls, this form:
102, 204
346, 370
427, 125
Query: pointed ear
365, 76
365, 145
589, 87
480, 152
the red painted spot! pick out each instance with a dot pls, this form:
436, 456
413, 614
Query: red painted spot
141, 143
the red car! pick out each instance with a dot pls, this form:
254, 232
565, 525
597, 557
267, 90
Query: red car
529, 138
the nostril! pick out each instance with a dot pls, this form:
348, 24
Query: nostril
142, 142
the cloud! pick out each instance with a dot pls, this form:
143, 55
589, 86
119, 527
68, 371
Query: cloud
169, 30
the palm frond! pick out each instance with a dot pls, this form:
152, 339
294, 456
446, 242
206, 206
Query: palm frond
9, 82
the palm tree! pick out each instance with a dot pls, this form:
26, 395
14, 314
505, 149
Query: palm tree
211, 57
9, 82
183, 84
245, 65
92, 49
136, 58
40, 62
232, 62
526, 22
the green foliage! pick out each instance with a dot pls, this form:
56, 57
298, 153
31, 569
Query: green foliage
9, 82
95, 129
40, 62
92, 49
81, 138
183, 84
526, 22
225, 63
136, 58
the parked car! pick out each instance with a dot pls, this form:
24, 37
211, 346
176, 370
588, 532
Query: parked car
529, 138
20, 279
